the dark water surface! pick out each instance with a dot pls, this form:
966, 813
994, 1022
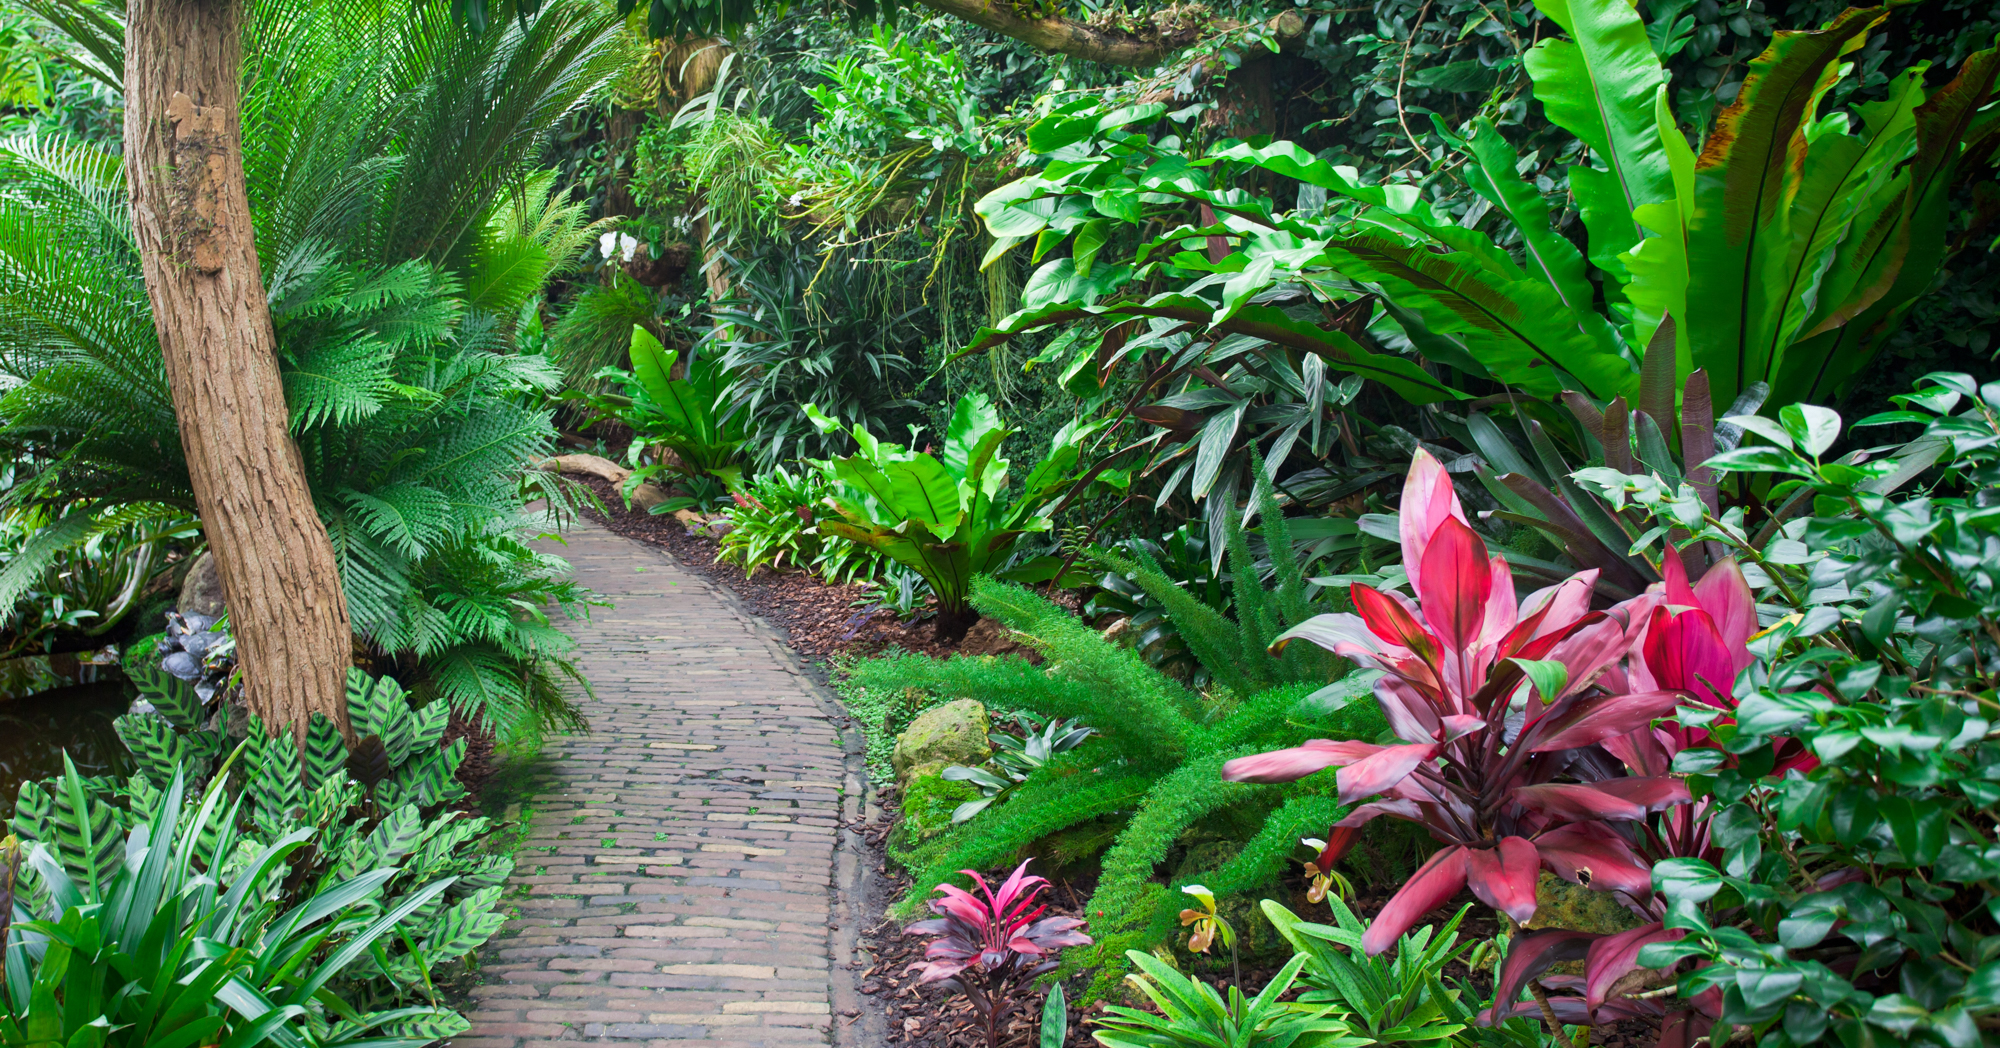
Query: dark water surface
36, 729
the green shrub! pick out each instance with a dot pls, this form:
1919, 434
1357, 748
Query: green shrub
1155, 762
186, 935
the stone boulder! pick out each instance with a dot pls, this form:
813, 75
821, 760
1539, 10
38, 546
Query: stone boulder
201, 590
954, 733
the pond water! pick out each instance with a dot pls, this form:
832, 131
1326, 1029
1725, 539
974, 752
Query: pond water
36, 729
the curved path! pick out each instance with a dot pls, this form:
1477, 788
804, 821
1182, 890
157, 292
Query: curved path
679, 881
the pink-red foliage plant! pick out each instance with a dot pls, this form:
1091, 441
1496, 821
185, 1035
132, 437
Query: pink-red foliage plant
991, 946
1535, 734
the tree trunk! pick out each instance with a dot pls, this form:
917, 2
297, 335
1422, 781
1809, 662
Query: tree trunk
191, 214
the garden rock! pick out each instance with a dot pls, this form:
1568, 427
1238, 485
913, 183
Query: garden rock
648, 495
589, 465
954, 733
201, 591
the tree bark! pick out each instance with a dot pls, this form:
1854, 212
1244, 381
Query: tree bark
191, 215
1063, 35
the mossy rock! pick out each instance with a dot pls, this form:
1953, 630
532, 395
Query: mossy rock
1560, 904
954, 733
928, 802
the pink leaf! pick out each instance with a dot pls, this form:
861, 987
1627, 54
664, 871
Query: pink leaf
1725, 595
1340, 840
1614, 955
1674, 574
1459, 725
1643, 751
1594, 720
1613, 799
1455, 584
1559, 605
1685, 652
1379, 771
1344, 634
1502, 611
1594, 856
1400, 808
1390, 621
1427, 500
1289, 765
1531, 954
1503, 877
1432, 886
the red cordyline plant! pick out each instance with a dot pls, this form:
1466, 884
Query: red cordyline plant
1496, 703
1695, 643
991, 946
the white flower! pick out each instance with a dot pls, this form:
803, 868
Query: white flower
607, 245
627, 246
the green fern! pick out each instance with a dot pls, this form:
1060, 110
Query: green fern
392, 238
1155, 764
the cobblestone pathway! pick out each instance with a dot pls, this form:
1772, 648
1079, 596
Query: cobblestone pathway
676, 884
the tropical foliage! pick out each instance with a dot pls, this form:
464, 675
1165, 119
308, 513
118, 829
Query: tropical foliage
952, 516
397, 259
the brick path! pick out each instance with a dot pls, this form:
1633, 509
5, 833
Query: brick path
677, 882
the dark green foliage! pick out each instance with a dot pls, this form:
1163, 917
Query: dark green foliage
70, 816
398, 242
1156, 761
801, 335
154, 743
1183, 557
325, 752
1236, 652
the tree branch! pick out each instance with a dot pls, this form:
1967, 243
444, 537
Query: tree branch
1100, 44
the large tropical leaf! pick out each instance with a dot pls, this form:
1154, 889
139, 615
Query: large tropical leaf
1598, 85
1745, 182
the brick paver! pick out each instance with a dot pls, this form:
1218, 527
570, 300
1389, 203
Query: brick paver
676, 884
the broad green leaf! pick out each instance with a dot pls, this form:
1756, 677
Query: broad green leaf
1518, 328
1599, 85
651, 364
1898, 257
1550, 255
1738, 239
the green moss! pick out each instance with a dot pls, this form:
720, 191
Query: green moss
928, 802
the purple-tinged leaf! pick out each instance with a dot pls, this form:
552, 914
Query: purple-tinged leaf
1297, 762
1613, 956
1593, 720
1455, 584
1432, 886
1379, 771
1531, 954
1624, 800
1503, 876
1593, 855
